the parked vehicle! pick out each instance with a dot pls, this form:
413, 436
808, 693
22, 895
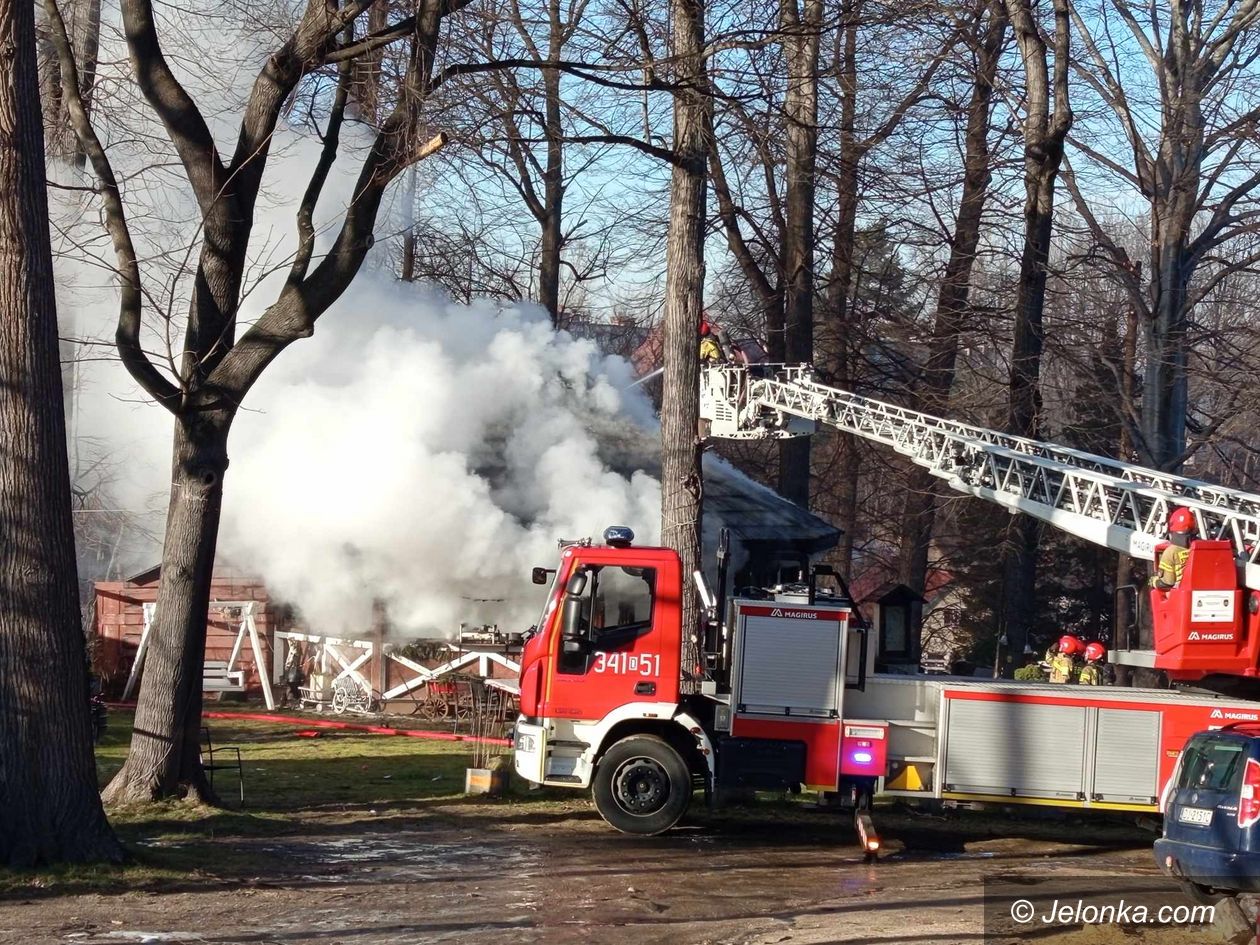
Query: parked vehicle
1211, 806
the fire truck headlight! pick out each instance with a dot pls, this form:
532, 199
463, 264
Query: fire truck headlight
524, 743
861, 757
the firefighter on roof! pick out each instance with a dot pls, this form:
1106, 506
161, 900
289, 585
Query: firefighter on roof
1092, 672
1064, 664
710, 351
1172, 561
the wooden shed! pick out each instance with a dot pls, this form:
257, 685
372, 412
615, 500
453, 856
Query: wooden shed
118, 621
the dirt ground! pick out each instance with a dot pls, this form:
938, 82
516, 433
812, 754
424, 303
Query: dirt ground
505, 878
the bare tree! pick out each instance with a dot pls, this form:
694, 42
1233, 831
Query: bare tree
1199, 175
218, 367
682, 483
49, 807
838, 351
526, 107
1047, 120
777, 258
988, 35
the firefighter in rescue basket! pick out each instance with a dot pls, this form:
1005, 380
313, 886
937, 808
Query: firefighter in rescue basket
710, 351
1172, 561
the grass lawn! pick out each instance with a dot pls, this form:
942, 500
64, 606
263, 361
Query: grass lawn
294, 785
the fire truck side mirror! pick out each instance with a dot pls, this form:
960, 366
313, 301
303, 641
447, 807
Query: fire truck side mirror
571, 616
540, 575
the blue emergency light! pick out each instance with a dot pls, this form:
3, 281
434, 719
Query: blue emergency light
618, 536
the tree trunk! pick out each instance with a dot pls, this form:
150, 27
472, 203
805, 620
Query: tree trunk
1126, 572
801, 112
1175, 204
1044, 135
682, 482
841, 334
932, 393
365, 83
408, 268
1165, 384
49, 807
1024, 533
89, 59
164, 758
553, 197
553, 176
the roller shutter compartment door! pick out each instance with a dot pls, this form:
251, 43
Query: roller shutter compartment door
1126, 756
1015, 749
790, 667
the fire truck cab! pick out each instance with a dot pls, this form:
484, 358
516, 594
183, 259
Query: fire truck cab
605, 703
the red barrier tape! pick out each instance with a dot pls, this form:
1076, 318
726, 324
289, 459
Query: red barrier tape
307, 724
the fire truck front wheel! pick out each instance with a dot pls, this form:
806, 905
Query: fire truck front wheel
642, 785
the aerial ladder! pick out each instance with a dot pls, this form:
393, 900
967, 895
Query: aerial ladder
1209, 624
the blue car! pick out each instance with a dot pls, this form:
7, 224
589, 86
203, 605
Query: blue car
1211, 841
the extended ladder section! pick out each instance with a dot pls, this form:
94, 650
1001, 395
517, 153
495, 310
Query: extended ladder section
1105, 501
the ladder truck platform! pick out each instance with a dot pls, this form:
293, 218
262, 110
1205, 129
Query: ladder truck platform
1208, 625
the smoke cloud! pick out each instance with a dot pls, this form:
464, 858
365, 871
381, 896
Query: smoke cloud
427, 454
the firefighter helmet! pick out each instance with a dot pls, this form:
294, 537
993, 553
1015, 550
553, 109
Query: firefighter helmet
1181, 522
704, 327
1095, 652
1071, 645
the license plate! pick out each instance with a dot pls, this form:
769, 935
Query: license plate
1195, 815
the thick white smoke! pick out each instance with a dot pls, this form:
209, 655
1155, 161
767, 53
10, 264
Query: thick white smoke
429, 455
413, 451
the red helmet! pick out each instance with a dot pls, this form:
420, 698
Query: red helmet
1071, 645
704, 327
1181, 522
1095, 651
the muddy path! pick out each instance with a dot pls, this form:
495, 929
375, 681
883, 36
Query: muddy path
570, 880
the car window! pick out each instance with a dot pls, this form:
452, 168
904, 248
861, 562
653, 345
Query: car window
1213, 764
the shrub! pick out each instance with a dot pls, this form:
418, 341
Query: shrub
1031, 673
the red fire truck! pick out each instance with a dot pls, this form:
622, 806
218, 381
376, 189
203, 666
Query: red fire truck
787, 699
782, 694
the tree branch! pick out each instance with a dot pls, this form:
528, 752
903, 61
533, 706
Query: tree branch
319, 177
183, 121
374, 41
583, 70
127, 334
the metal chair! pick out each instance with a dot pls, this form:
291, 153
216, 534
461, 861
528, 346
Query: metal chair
211, 764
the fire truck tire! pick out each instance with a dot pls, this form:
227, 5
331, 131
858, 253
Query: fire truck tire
642, 785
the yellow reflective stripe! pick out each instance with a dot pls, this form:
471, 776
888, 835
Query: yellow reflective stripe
1047, 802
